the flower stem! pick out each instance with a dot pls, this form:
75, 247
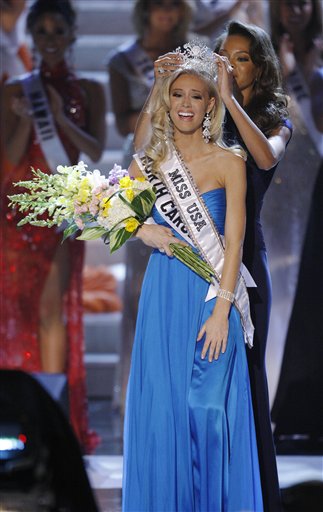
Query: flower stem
193, 261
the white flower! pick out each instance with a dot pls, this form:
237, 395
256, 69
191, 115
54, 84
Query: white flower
97, 179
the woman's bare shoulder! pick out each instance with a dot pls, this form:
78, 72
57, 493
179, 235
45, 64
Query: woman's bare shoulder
134, 170
228, 157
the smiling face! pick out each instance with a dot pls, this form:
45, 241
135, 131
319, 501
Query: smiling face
237, 49
164, 15
189, 101
52, 37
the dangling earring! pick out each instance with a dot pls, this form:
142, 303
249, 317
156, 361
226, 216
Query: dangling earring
206, 128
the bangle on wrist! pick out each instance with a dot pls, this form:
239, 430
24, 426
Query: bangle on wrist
225, 294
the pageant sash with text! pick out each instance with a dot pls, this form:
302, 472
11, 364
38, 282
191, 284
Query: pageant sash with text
141, 63
179, 203
47, 136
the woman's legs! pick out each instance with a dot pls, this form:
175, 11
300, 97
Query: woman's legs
223, 441
52, 330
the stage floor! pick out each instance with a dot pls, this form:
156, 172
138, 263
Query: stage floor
104, 468
105, 471
105, 474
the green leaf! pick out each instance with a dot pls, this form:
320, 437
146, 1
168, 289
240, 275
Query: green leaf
117, 238
92, 233
143, 203
73, 228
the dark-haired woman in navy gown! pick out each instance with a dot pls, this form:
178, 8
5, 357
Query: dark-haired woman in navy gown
257, 119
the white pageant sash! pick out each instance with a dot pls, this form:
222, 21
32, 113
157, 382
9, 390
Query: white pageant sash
141, 63
47, 136
176, 199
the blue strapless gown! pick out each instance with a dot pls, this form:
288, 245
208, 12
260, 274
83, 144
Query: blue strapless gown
189, 430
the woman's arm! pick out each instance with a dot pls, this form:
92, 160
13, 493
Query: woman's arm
167, 63
153, 235
16, 122
216, 327
265, 151
90, 142
217, 18
143, 126
125, 116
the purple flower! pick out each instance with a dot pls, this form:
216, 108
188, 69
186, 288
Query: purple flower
116, 174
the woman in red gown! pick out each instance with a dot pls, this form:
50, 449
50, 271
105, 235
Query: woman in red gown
41, 279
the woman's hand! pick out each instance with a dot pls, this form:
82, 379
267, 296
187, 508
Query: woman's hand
21, 107
216, 330
286, 55
158, 237
56, 104
166, 64
225, 77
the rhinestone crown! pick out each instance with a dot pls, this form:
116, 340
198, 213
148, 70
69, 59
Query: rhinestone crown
196, 55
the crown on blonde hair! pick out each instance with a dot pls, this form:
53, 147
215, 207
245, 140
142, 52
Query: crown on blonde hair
199, 57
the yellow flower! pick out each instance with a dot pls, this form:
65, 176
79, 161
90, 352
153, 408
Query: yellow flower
141, 179
125, 182
84, 191
105, 206
131, 225
130, 194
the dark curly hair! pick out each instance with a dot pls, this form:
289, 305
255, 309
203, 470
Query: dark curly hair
40, 7
268, 105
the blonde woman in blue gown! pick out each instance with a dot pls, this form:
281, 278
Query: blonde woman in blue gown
189, 430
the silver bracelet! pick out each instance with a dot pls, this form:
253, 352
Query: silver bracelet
225, 294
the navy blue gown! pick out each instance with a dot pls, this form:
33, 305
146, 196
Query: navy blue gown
190, 442
255, 259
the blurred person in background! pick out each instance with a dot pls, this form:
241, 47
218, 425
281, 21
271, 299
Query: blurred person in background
161, 26
296, 28
14, 54
48, 118
211, 16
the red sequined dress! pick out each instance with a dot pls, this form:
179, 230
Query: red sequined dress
26, 256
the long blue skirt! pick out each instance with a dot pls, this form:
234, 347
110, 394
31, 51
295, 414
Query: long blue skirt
189, 431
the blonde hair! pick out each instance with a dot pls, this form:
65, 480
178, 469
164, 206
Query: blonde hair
162, 130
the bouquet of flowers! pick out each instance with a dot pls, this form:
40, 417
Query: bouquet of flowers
112, 207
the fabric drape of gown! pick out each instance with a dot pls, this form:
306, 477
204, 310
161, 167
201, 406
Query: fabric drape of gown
255, 259
296, 410
26, 255
190, 441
